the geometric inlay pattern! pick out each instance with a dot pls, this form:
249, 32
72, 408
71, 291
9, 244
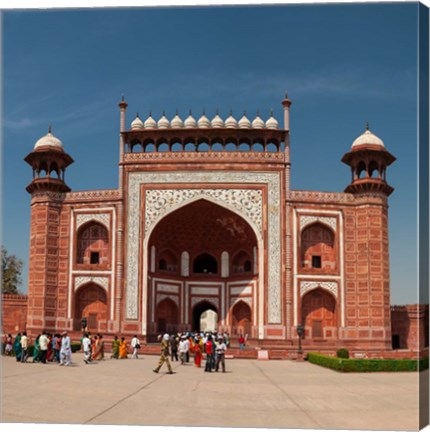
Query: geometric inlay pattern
103, 218
306, 286
99, 280
306, 220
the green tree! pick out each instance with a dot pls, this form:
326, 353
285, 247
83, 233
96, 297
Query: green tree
11, 272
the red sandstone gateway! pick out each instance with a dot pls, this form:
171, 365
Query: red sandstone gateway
204, 220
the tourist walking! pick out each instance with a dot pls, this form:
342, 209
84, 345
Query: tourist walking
57, 347
241, 342
209, 354
17, 347
220, 352
135, 344
164, 357
174, 342
183, 348
197, 349
123, 349
86, 347
115, 348
36, 350
9, 346
99, 353
43, 344
66, 350
24, 347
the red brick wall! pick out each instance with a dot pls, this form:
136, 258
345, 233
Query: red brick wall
410, 324
367, 274
14, 313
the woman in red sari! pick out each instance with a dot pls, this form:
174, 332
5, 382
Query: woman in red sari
197, 349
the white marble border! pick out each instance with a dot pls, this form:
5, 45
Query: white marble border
272, 180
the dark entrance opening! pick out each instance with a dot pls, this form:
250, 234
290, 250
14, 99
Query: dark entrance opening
198, 310
395, 341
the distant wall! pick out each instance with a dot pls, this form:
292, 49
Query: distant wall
14, 313
410, 327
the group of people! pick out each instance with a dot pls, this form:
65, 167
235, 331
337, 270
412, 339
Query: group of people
180, 346
93, 347
47, 348
120, 348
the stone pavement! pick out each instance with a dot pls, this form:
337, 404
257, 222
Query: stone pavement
280, 394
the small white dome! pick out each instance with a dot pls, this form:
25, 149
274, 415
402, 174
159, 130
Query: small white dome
217, 121
163, 123
230, 122
244, 122
204, 122
272, 123
177, 122
150, 123
368, 138
190, 122
258, 122
137, 123
49, 140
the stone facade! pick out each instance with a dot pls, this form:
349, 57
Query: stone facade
14, 313
204, 219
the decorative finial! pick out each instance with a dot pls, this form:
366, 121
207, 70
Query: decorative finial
271, 112
190, 112
122, 97
231, 112
204, 111
49, 129
217, 111
258, 113
164, 113
176, 111
286, 94
150, 113
137, 114
244, 113
367, 126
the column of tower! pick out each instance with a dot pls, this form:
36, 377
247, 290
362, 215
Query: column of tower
48, 258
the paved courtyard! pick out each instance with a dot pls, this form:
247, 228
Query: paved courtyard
281, 394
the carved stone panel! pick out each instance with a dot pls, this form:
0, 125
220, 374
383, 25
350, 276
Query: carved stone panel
306, 286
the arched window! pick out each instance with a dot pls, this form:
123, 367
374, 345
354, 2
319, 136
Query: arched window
205, 264
93, 244
318, 248
242, 262
374, 170
361, 170
168, 261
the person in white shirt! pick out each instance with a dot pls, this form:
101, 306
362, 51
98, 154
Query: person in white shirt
66, 350
43, 345
183, 348
220, 349
135, 344
86, 346
24, 347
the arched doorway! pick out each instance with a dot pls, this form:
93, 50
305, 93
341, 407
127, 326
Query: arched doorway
166, 316
91, 303
202, 238
199, 312
241, 318
319, 314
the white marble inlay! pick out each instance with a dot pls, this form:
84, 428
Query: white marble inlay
204, 291
306, 286
214, 301
167, 288
241, 290
99, 280
161, 297
307, 220
82, 218
246, 207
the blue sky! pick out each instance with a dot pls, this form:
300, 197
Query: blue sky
343, 65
